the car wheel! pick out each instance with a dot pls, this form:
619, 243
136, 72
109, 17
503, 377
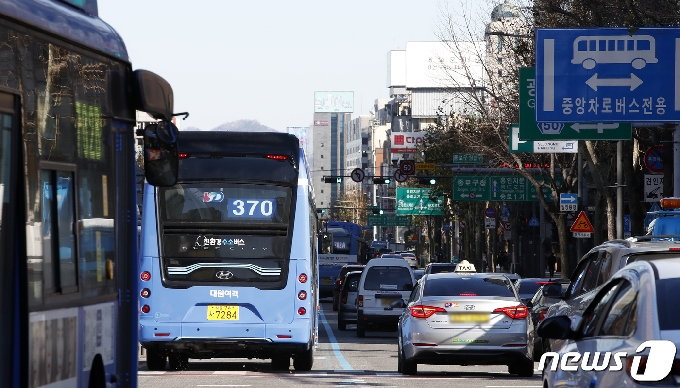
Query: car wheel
361, 329
179, 361
155, 359
524, 368
280, 363
342, 325
304, 361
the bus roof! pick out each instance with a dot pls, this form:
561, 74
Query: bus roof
238, 143
69, 22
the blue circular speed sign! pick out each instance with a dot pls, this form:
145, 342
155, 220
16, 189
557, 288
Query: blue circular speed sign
653, 159
490, 212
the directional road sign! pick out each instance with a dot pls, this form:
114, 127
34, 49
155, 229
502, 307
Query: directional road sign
530, 130
540, 146
508, 188
568, 202
468, 158
653, 187
358, 175
653, 158
417, 202
387, 220
608, 75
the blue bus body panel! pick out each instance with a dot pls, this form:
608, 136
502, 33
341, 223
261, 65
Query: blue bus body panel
60, 19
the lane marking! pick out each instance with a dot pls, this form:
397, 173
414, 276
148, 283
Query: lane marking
334, 344
230, 372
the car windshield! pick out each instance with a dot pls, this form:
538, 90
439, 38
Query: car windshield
388, 278
467, 286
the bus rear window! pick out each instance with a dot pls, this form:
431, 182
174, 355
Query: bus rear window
226, 203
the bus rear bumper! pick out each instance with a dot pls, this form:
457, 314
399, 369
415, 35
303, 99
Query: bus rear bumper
277, 340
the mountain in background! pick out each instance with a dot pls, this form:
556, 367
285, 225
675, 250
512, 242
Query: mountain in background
239, 126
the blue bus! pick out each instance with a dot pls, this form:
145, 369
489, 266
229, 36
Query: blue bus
68, 97
348, 247
228, 255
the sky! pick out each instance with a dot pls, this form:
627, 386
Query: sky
264, 59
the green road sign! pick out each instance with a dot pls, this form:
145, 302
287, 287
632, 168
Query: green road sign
530, 130
468, 158
388, 220
502, 188
417, 202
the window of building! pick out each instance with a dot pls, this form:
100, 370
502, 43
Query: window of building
321, 144
500, 44
321, 156
500, 73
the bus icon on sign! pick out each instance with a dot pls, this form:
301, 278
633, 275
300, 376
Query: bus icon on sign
637, 50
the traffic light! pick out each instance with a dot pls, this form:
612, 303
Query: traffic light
427, 181
332, 179
381, 181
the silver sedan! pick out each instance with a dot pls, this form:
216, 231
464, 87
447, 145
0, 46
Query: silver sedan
471, 319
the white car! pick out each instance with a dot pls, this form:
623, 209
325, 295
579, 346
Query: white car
636, 305
383, 281
411, 258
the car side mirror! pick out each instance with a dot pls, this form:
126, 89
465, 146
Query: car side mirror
398, 304
161, 158
552, 291
558, 327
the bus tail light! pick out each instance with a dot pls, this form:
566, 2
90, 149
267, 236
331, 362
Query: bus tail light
302, 311
283, 336
183, 155
514, 312
360, 301
146, 276
145, 293
146, 309
302, 295
302, 278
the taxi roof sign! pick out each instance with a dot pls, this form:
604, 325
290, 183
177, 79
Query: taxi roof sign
465, 267
582, 224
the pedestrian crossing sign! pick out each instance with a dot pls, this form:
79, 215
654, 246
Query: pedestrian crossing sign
582, 224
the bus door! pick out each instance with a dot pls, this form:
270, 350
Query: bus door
12, 343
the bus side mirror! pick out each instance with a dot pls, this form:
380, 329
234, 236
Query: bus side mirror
153, 95
161, 158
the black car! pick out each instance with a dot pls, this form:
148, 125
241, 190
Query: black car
433, 268
527, 287
538, 308
338, 282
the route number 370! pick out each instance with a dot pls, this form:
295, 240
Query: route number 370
250, 207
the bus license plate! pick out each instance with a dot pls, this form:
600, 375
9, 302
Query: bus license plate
470, 317
222, 313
